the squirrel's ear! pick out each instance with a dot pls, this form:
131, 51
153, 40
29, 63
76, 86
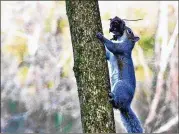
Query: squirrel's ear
136, 38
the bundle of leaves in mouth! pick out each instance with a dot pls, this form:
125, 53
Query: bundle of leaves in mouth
117, 26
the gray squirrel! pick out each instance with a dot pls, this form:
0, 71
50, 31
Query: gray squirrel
122, 75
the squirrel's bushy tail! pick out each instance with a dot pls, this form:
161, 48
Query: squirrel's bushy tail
130, 121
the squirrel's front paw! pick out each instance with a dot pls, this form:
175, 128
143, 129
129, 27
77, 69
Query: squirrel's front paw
99, 35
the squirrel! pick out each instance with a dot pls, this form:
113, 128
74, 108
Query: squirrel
122, 74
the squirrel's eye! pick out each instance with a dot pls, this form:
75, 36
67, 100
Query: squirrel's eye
129, 31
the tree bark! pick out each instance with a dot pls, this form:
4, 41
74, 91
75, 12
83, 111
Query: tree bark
90, 66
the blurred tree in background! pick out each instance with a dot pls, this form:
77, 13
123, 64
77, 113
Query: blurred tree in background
38, 87
37, 76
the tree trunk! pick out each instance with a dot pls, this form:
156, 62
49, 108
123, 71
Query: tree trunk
90, 66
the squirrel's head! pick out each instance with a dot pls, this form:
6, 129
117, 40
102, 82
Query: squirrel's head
129, 35
117, 26
129, 38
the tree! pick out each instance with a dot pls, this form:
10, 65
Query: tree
90, 66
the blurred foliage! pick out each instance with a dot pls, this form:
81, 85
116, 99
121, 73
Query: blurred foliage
67, 128
48, 21
48, 67
171, 26
66, 68
22, 73
140, 13
106, 16
17, 47
50, 84
12, 106
58, 122
58, 119
140, 74
147, 43
61, 24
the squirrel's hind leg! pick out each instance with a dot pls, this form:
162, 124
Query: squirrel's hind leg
121, 94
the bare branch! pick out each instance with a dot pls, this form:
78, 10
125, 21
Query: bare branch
165, 54
168, 125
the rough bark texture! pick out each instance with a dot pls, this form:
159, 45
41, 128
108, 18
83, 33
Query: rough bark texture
90, 66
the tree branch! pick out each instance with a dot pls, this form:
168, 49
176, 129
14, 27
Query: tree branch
168, 125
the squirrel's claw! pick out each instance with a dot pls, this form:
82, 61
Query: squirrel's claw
99, 35
111, 95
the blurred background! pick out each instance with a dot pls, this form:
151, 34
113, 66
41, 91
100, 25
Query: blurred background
38, 87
